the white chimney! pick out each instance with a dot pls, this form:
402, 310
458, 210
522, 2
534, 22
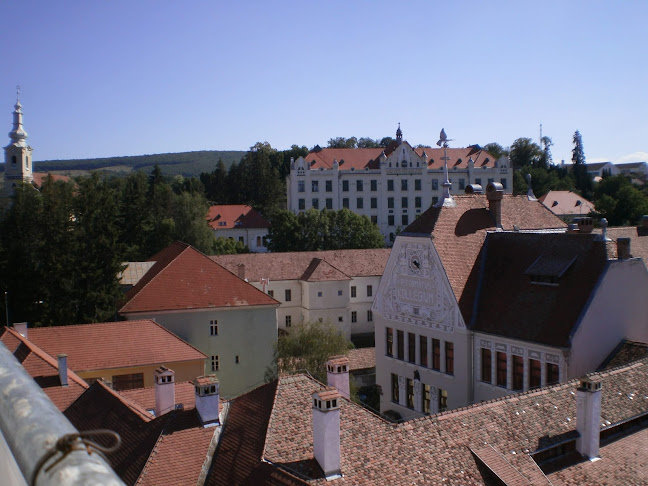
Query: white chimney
337, 374
588, 417
21, 328
62, 369
326, 431
164, 390
207, 399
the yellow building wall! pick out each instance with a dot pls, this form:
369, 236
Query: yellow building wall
184, 371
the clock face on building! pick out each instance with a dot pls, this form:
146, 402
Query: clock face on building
415, 264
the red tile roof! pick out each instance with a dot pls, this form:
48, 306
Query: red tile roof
567, 203
40, 177
235, 216
43, 368
362, 358
459, 232
184, 278
185, 395
114, 344
293, 265
638, 240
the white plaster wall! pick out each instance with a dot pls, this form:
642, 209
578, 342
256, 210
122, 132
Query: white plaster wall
249, 236
618, 310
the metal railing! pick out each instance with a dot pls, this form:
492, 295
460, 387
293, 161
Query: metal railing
46, 447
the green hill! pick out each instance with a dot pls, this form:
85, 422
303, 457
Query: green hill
184, 163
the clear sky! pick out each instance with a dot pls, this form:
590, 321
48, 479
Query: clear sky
131, 77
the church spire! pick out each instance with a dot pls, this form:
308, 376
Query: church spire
18, 135
399, 135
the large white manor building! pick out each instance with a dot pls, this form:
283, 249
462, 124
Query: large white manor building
393, 185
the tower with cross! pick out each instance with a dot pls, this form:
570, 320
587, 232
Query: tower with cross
18, 154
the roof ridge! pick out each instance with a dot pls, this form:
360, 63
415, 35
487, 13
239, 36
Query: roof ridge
135, 407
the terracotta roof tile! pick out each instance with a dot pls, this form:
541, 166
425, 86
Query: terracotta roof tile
638, 240
184, 278
235, 216
567, 203
362, 358
185, 394
626, 352
293, 265
114, 344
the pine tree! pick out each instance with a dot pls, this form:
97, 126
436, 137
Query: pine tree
582, 179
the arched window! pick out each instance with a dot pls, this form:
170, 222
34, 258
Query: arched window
27, 161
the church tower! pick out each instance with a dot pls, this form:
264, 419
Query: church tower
18, 155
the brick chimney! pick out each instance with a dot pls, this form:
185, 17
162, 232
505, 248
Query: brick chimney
588, 417
240, 269
207, 399
623, 248
642, 228
326, 431
585, 224
337, 374
62, 369
21, 328
164, 390
495, 194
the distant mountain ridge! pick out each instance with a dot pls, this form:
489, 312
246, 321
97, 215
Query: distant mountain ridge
183, 163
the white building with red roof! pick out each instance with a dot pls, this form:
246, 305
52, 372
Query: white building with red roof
391, 186
567, 205
241, 223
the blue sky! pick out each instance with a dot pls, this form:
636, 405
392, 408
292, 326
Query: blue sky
104, 78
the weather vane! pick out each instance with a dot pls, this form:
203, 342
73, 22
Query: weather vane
18, 92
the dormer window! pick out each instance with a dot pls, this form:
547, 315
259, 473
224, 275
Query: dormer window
548, 269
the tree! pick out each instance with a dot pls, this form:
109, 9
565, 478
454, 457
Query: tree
546, 158
366, 142
582, 178
341, 142
228, 246
619, 201
386, 141
495, 149
307, 348
524, 152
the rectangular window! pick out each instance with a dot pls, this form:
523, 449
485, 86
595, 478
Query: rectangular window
400, 336
315, 203
301, 186
369, 316
403, 184
353, 291
315, 186
390, 220
374, 219
423, 350
501, 369
435, 200
478, 181
411, 347
435, 184
410, 393
271, 293
462, 184
503, 182
535, 372
288, 295
374, 185
241, 240
390, 184
443, 400
128, 382
329, 203
425, 396
436, 354
518, 373
329, 186
417, 184
237, 360
345, 203
417, 202
404, 202
213, 328
390, 203
374, 203
360, 203
319, 294
389, 341
449, 358
340, 319
394, 386
553, 375
354, 316
486, 373
339, 292
359, 185
214, 363
288, 321
369, 290
345, 186
405, 220
302, 204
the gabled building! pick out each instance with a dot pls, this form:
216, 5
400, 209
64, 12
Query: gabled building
223, 316
336, 286
241, 223
567, 205
392, 186
479, 301
124, 354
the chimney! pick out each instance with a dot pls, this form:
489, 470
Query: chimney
572, 228
623, 248
642, 228
62, 369
164, 390
241, 270
474, 189
585, 224
21, 328
603, 235
337, 374
588, 417
495, 194
207, 399
326, 431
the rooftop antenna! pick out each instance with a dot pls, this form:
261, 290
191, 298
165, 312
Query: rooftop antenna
446, 200
18, 92
541, 135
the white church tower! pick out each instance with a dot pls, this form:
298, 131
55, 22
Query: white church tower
18, 155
